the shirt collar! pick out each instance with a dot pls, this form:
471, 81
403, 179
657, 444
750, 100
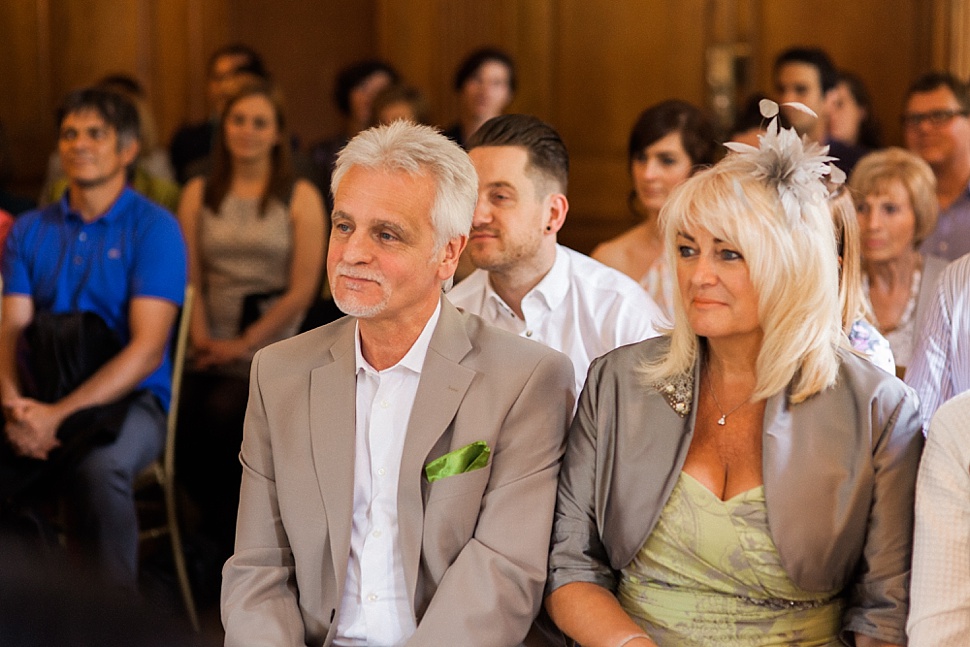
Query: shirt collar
413, 360
552, 288
118, 207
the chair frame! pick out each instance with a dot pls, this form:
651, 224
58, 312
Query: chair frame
162, 471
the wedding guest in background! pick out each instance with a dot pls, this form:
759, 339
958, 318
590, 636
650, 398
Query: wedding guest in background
668, 143
850, 117
856, 311
150, 175
228, 66
256, 239
896, 205
757, 410
485, 82
354, 91
936, 126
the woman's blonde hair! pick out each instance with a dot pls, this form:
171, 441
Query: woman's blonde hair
792, 265
852, 297
873, 173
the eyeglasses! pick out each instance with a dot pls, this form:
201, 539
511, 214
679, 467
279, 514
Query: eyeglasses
935, 117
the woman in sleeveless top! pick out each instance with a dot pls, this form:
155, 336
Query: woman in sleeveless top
745, 479
256, 241
895, 193
668, 142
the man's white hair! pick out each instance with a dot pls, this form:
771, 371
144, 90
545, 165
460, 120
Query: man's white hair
419, 150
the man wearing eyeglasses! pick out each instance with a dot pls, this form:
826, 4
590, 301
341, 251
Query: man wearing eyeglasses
937, 128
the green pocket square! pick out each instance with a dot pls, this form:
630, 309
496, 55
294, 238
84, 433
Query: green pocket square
467, 459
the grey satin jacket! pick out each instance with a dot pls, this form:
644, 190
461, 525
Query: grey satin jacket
839, 473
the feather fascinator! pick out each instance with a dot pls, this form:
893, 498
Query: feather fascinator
796, 167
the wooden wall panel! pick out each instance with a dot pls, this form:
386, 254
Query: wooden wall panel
304, 44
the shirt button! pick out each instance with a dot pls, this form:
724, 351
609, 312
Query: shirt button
78, 260
377, 533
384, 404
372, 597
381, 471
528, 333
83, 236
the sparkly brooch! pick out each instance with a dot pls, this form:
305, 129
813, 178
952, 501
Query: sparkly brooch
678, 391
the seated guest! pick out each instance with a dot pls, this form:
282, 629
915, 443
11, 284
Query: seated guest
807, 76
526, 283
354, 91
850, 117
749, 124
400, 464
895, 200
485, 82
745, 479
256, 240
400, 102
151, 175
855, 307
936, 126
669, 141
192, 143
101, 249
940, 366
940, 609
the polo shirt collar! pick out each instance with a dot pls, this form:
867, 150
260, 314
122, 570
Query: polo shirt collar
117, 208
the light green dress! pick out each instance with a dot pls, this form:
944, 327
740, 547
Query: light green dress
709, 575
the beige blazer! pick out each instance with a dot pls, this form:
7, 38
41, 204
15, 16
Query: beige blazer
839, 474
474, 545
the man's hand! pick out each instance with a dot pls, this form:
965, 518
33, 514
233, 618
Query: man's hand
32, 426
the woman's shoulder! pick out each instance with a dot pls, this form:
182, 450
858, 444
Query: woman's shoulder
627, 361
870, 385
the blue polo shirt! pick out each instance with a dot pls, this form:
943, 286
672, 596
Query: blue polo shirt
65, 264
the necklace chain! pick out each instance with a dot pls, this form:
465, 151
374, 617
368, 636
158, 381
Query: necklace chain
710, 387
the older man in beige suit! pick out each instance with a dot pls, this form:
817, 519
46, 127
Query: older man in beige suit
400, 464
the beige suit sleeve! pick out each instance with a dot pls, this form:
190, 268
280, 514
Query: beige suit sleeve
491, 593
940, 592
259, 597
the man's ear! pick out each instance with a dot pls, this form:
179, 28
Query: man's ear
129, 148
557, 208
449, 256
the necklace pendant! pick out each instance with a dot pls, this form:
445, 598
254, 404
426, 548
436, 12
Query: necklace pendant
722, 420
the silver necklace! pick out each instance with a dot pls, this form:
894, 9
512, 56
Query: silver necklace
710, 387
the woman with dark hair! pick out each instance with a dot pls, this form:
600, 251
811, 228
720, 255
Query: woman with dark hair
850, 118
354, 91
256, 239
669, 141
485, 82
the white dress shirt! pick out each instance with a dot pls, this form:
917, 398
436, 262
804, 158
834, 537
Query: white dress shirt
939, 613
940, 366
580, 307
375, 610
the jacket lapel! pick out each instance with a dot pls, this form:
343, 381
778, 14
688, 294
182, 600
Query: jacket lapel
443, 385
333, 389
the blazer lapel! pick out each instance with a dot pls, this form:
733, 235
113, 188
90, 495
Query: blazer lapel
443, 385
333, 397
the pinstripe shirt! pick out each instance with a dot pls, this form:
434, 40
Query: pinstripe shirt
940, 366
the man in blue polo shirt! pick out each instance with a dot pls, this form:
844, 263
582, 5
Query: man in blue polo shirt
104, 249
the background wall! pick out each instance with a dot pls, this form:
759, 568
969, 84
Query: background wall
587, 66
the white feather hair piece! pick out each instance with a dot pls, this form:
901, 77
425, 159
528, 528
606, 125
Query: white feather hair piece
794, 166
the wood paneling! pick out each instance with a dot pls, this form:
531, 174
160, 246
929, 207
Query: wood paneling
304, 44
